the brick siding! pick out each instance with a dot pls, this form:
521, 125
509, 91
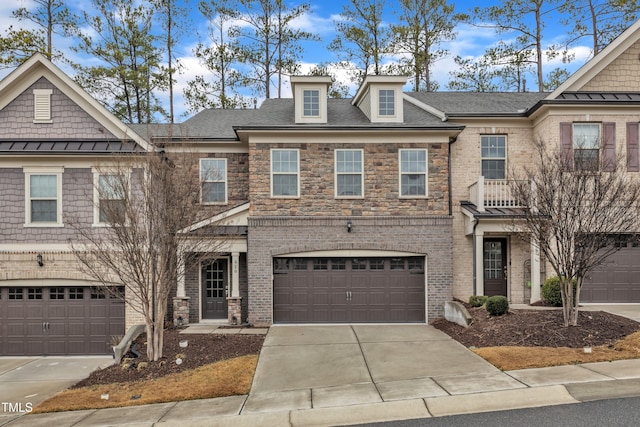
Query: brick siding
271, 236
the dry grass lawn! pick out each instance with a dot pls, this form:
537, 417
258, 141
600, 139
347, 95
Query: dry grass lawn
226, 378
511, 358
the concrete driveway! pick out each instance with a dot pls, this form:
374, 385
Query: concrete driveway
303, 367
33, 379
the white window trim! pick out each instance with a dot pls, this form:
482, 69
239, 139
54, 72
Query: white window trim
42, 170
395, 103
322, 104
506, 152
426, 174
42, 106
336, 173
271, 173
311, 116
225, 181
96, 196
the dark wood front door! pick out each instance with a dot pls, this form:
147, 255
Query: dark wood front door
214, 289
495, 266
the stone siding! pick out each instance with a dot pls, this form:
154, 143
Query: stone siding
237, 182
381, 176
273, 236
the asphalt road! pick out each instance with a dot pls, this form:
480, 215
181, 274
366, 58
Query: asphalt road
600, 413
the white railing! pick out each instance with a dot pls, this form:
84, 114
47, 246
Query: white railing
491, 193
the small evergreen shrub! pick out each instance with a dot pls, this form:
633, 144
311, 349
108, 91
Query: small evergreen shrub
477, 300
497, 305
551, 293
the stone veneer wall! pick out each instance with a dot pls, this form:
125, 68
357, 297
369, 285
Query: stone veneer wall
381, 187
272, 236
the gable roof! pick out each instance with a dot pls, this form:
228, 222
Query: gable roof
39, 66
597, 64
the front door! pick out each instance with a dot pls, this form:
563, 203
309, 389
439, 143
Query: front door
214, 289
495, 266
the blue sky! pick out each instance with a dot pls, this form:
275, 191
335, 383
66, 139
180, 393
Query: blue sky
470, 42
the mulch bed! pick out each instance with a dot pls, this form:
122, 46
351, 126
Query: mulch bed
202, 349
538, 328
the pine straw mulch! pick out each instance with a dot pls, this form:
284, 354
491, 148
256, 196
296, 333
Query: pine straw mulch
212, 366
537, 338
202, 349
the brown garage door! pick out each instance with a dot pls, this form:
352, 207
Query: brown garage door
58, 320
618, 279
348, 290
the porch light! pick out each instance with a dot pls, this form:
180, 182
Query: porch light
39, 260
349, 226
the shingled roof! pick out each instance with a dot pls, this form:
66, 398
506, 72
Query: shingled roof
480, 103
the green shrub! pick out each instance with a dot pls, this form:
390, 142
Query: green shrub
551, 291
497, 305
477, 300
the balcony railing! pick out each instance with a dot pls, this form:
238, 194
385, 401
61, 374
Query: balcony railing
492, 193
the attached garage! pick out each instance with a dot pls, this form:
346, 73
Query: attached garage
349, 290
59, 320
617, 280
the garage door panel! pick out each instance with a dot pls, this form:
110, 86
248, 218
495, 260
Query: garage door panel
617, 280
75, 311
349, 290
98, 311
15, 348
15, 311
58, 321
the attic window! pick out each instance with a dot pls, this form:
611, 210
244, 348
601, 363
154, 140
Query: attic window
42, 105
386, 102
311, 103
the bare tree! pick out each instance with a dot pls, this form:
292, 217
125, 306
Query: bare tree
145, 202
578, 203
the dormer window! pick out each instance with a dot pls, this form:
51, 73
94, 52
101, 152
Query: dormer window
42, 105
380, 98
311, 103
386, 102
310, 98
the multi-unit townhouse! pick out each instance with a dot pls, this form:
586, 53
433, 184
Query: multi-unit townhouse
377, 208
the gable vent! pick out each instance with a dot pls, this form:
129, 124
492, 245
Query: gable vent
42, 105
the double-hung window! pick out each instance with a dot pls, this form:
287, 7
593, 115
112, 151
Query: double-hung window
349, 173
413, 173
586, 146
43, 191
285, 171
213, 178
110, 192
311, 101
386, 102
494, 154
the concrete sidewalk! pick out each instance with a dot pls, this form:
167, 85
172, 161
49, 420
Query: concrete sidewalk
349, 374
540, 387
